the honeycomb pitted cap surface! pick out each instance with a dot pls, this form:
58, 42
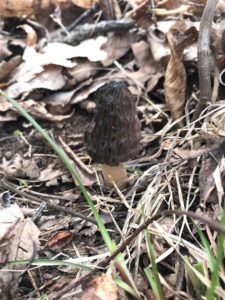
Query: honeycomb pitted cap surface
116, 133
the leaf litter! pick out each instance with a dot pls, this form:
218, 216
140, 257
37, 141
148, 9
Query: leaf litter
53, 71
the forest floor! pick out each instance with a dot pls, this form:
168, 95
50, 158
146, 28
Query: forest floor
49, 239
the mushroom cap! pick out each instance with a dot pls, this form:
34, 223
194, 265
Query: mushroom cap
116, 133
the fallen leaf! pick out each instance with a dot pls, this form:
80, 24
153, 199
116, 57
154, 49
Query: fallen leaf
142, 15
18, 241
149, 69
50, 78
170, 4
4, 51
82, 50
7, 66
84, 3
38, 109
100, 287
50, 174
81, 72
31, 34
87, 177
175, 82
59, 240
20, 167
115, 47
210, 183
179, 37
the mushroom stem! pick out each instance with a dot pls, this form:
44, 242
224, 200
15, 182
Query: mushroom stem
117, 174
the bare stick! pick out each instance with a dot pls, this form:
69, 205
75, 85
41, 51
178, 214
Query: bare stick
85, 31
8, 185
204, 57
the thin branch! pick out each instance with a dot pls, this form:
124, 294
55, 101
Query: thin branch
204, 57
8, 185
82, 32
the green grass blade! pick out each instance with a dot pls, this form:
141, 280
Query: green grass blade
205, 243
197, 284
50, 262
124, 286
43, 296
154, 286
153, 276
219, 257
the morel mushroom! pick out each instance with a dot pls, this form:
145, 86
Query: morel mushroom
115, 136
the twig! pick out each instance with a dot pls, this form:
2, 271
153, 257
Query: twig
89, 12
74, 283
204, 57
6, 184
85, 31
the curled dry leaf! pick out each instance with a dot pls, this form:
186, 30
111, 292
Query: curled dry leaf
38, 110
31, 34
59, 240
180, 36
175, 82
100, 288
87, 177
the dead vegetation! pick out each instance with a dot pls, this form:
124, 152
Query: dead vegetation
54, 56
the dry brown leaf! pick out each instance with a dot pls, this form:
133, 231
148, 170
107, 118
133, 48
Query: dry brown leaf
210, 177
143, 57
157, 40
206, 180
100, 287
51, 78
4, 105
180, 36
81, 72
6, 67
22, 8
31, 35
50, 174
107, 7
14, 8
18, 241
169, 4
175, 83
4, 51
141, 15
38, 110
149, 69
87, 177
115, 47
84, 93
20, 167
59, 240
84, 3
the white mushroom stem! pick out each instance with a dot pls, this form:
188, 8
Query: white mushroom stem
116, 174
